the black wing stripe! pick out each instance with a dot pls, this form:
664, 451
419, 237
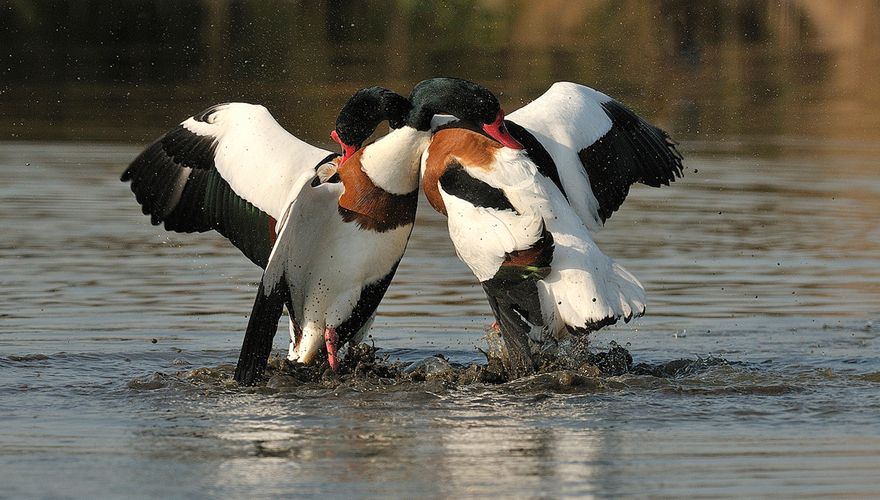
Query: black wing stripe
537, 153
457, 182
246, 226
188, 216
176, 182
188, 148
631, 151
533, 147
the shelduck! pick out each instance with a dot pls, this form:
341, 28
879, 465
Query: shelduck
520, 215
232, 168
339, 241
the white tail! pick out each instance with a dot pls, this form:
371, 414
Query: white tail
588, 293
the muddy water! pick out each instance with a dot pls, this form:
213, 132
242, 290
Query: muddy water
759, 354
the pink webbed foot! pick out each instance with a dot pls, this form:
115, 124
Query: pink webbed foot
330, 340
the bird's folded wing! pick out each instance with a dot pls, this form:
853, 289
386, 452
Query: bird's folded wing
492, 216
308, 214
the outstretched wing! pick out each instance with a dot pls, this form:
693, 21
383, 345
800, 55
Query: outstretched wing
230, 168
598, 148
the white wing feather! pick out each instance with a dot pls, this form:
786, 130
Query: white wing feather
566, 119
258, 158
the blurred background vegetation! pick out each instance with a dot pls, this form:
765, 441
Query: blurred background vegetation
704, 69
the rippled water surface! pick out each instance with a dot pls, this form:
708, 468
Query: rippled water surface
767, 266
759, 355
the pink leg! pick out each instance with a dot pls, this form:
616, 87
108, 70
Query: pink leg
494, 326
330, 340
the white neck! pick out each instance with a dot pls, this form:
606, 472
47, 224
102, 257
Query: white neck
392, 162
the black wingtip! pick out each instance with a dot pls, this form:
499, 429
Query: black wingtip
631, 151
160, 172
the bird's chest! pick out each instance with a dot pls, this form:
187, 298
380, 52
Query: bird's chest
347, 258
454, 147
370, 207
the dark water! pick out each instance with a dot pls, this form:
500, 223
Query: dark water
762, 268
